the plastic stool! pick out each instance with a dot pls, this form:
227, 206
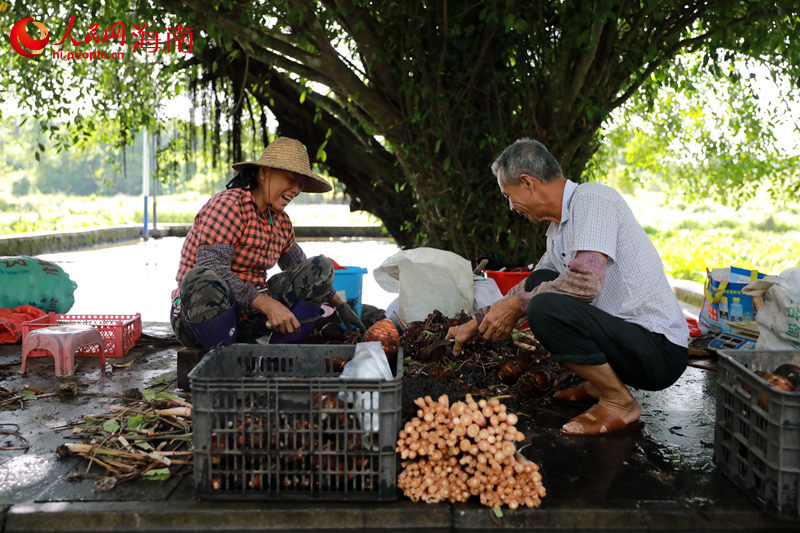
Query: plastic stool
62, 342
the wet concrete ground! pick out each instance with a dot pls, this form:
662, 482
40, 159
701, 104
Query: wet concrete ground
663, 479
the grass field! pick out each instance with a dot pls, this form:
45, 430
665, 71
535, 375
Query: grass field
688, 237
691, 238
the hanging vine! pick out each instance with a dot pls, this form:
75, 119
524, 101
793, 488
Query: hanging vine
263, 121
217, 125
205, 110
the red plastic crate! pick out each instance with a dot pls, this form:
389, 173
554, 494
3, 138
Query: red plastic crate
120, 332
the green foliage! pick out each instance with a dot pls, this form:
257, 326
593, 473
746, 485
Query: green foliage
157, 474
111, 426
98, 168
706, 133
50, 213
710, 235
20, 187
713, 248
27, 395
167, 218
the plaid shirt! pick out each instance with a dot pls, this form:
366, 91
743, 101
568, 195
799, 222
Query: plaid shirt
232, 218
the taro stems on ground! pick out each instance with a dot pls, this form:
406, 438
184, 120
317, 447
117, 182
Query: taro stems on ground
139, 439
452, 452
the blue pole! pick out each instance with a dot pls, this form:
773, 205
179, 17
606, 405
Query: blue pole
145, 229
145, 181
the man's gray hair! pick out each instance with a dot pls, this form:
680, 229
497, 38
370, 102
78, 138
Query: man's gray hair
526, 156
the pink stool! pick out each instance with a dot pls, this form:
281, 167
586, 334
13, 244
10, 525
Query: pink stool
62, 342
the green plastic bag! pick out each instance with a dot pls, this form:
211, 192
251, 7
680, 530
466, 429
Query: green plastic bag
32, 281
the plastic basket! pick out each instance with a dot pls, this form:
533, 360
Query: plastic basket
507, 279
757, 431
276, 423
120, 332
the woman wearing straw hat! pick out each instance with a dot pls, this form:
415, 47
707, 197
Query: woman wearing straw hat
223, 295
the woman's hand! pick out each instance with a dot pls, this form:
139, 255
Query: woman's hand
279, 317
462, 334
500, 320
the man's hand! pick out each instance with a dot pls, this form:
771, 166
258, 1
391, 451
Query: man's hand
462, 334
501, 319
279, 317
349, 317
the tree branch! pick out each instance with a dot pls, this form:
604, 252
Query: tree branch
370, 171
685, 43
342, 78
287, 57
585, 60
368, 40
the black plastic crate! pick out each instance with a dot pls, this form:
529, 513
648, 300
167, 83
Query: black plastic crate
757, 431
275, 422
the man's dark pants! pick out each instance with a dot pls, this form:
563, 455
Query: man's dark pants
580, 333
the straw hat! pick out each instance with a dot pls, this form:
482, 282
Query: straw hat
288, 154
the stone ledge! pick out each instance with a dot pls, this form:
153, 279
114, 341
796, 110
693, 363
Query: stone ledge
690, 292
403, 515
301, 232
60, 241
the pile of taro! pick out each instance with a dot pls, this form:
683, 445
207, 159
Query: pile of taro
519, 370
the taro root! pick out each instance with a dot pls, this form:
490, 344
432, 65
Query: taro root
536, 380
763, 403
436, 351
774, 380
779, 382
325, 403
511, 371
336, 365
385, 332
791, 372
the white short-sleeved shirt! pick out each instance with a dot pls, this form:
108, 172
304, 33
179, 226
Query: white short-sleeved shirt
596, 218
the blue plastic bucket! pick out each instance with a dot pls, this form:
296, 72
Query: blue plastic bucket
347, 284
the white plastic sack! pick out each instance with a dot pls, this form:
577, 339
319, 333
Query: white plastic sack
427, 279
369, 362
778, 318
486, 293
